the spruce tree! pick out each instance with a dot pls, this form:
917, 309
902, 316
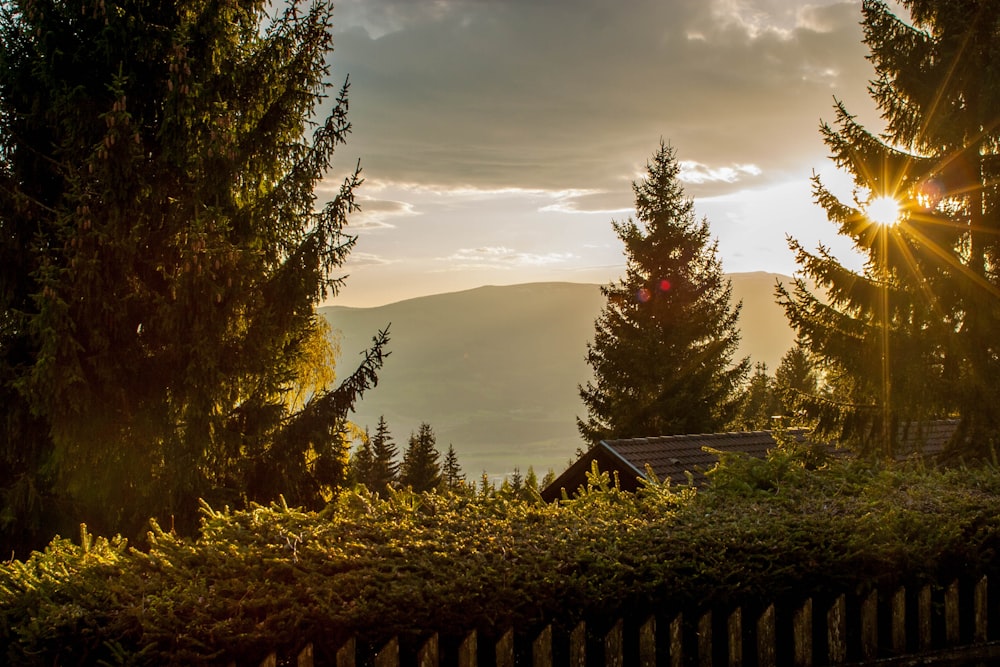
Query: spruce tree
664, 341
758, 402
912, 335
421, 468
531, 480
374, 464
796, 385
162, 252
451, 472
385, 469
361, 464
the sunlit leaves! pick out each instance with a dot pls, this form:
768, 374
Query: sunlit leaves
272, 577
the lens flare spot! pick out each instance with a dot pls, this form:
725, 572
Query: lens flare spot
883, 210
930, 193
664, 285
643, 295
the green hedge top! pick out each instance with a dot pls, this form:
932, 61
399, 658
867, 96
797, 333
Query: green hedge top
275, 577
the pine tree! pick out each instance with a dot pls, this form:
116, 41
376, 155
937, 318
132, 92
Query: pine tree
385, 469
486, 487
374, 464
515, 481
796, 386
665, 339
912, 335
161, 257
360, 467
451, 471
421, 469
758, 402
531, 480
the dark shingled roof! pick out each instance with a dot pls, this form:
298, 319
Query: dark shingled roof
670, 457
673, 457
926, 438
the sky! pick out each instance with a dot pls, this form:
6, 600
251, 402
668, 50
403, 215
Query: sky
499, 138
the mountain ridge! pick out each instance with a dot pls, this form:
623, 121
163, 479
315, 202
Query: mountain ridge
495, 369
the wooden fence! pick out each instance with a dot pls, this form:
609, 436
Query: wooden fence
957, 624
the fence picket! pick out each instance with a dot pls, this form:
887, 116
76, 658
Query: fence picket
899, 620
388, 656
614, 645
925, 638
869, 626
802, 642
981, 615
541, 649
347, 654
677, 641
647, 643
270, 661
766, 639
305, 657
705, 640
836, 631
505, 649
468, 651
429, 654
578, 646
952, 631
734, 630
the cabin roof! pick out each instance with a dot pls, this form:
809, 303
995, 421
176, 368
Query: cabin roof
674, 457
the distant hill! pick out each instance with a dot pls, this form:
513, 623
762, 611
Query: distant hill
495, 370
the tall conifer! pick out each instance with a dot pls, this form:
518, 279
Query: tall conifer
374, 464
795, 385
421, 469
451, 471
664, 342
758, 402
912, 335
162, 252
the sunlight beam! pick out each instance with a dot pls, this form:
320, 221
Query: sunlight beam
883, 210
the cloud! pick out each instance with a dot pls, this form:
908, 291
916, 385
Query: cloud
559, 95
592, 202
375, 214
779, 18
698, 173
361, 259
500, 257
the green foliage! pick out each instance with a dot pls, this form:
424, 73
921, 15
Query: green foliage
162, 252
274, 577
664, 341
912, 335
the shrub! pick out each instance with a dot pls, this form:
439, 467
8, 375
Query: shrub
276, 577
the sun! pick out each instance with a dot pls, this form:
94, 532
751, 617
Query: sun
883, 210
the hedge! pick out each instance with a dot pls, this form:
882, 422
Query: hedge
275, 577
